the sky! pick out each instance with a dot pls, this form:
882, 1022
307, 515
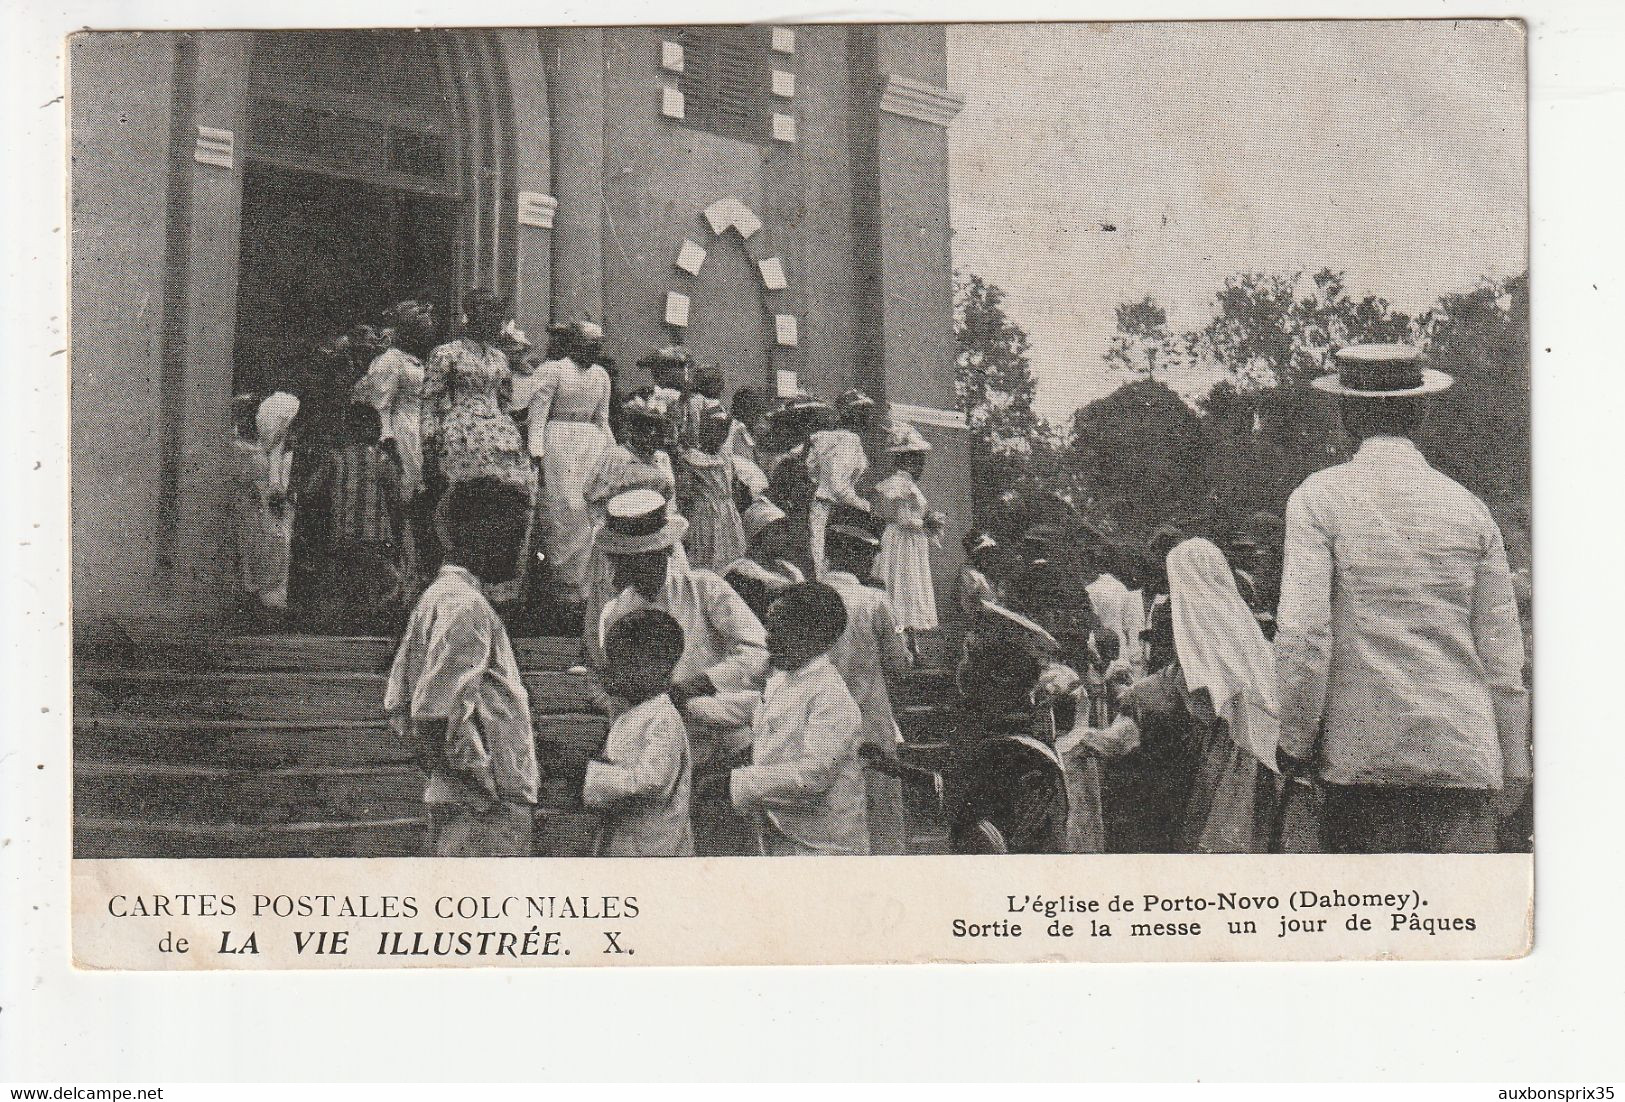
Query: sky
1394, 151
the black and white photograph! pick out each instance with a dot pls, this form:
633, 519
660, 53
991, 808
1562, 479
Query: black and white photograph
822, 440
922, 543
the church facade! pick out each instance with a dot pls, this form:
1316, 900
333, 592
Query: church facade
774, 198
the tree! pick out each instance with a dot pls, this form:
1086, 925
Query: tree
1265, 429
1139, 449
1272, 330
996, 388
1478, 430
1142, 342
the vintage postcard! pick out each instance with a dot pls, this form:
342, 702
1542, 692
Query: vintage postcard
836, 493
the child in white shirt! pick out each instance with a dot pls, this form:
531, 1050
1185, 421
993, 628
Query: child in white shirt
641, 782
455, 694
804, 788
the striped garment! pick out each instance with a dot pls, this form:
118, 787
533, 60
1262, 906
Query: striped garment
362, 485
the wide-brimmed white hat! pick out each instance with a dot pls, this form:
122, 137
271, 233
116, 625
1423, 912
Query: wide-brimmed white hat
1382, 371
761, 513
904, 437
638, 523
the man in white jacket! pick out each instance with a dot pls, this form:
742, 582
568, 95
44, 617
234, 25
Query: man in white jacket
1399, 653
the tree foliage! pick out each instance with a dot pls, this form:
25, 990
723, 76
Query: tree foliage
1141, 456
1142, 342
1280, 330
996, 388
1139, 449
1478, 430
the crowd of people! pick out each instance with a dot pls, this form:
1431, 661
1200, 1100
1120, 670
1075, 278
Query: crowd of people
1350, 678
748, 593
340, 469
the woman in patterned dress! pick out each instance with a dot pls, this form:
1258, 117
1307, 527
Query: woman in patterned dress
465, 426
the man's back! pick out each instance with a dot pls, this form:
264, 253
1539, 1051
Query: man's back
1398, 627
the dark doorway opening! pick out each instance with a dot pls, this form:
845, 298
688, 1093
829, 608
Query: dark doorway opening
323, 252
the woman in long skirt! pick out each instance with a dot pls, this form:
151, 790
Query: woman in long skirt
568, 424
705, 494
393, 385
273, 429
261, 553
464, 421
1222, 678
904, 564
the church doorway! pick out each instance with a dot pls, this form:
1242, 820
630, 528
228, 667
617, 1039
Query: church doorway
321, 253
354, 191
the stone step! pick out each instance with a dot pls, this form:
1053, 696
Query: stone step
115, 836
359, 654
296, 695
240, 743
276, 746
169, 793
564, 742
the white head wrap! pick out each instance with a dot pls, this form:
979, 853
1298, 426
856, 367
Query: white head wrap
1220, 647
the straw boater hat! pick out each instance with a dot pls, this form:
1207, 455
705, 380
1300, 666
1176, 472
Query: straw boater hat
1382, 371
638, 523
903, 437
674, 354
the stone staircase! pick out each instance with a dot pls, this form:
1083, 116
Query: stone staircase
275, 746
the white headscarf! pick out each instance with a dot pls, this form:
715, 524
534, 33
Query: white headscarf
1220, 647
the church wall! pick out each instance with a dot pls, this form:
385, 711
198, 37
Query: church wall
660, 175
120, 149
911, 273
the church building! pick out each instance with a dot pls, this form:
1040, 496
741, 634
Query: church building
773, 198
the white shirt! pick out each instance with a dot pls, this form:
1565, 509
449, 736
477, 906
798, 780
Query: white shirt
722, 638
643, 788
835, 461
805, 778
456, 663
871, 648
1398, 628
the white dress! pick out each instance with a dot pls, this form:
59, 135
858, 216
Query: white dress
569, 430
393, 385
273, 422
904, 562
